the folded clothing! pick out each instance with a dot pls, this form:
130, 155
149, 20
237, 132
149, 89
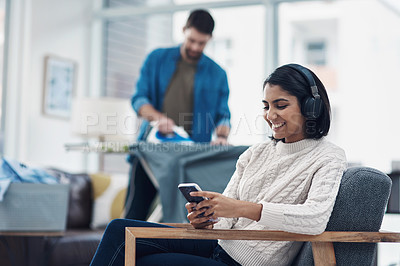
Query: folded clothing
16, 172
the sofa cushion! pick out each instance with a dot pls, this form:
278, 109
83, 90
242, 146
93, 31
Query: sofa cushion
80, 199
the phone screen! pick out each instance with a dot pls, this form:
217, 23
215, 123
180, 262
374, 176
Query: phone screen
187, 188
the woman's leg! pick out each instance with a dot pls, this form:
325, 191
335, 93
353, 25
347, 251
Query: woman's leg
111, 249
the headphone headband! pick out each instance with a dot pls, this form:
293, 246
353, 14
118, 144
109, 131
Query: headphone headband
312, 107
307, 75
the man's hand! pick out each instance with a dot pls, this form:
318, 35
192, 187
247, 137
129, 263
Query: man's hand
165, 125
220, 141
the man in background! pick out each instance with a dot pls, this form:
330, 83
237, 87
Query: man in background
179, 86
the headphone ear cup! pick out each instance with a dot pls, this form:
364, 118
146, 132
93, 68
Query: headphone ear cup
312, 107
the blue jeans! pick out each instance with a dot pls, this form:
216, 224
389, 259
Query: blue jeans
111, 250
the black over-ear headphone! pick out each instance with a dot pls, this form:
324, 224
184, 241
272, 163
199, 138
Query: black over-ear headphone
311, 107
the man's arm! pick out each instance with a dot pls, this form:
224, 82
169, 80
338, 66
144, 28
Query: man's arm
148, 112
222, 133
165, 124
223, 125
141, 102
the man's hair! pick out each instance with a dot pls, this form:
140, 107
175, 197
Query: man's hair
201, 20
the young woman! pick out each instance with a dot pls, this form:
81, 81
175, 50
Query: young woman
289, 183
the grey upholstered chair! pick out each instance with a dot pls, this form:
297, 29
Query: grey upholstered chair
360, 206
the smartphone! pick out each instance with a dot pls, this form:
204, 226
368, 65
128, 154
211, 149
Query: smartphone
186, 188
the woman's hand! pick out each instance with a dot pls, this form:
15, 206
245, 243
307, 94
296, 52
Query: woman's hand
217, 205
197, 218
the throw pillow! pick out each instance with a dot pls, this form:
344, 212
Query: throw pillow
109, 193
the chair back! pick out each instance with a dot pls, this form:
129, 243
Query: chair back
360, 206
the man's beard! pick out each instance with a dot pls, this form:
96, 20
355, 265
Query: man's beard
194, 58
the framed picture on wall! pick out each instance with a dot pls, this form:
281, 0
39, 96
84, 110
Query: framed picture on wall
59, 86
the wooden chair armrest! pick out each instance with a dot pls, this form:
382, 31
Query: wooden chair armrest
186, 231
322, 244
180, 225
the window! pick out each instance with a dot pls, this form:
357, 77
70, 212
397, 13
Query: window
316, 53
353, 46
3, 37
126, 43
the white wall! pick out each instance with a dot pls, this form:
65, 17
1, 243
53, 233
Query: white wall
366, 60
368, 74
39, 28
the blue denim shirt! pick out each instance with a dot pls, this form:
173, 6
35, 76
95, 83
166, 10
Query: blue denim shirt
211, 91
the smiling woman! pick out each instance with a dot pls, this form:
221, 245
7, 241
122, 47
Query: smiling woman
296, 104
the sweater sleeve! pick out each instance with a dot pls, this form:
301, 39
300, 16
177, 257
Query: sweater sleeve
231, 189
312, 216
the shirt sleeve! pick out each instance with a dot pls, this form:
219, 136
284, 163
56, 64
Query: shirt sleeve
142, 93
313, 215
223, 113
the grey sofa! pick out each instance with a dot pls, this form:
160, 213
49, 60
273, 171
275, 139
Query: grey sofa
75, 248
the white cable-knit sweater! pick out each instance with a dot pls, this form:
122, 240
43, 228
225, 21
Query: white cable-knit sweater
296, 183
